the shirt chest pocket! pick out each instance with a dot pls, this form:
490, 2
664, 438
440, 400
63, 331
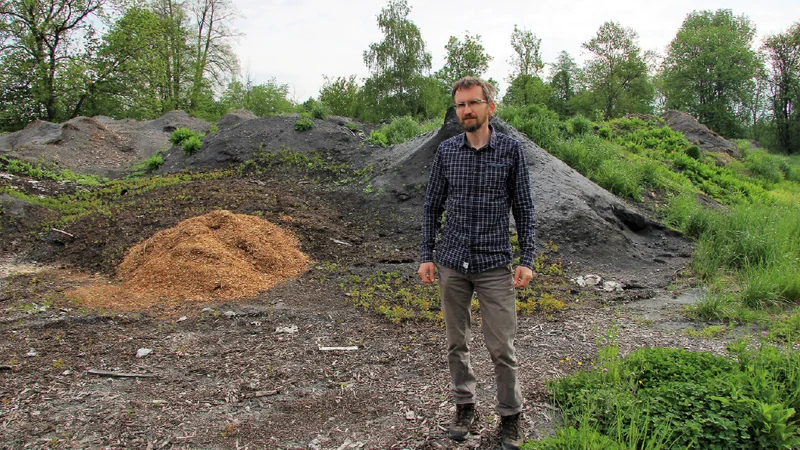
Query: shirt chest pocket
495, 175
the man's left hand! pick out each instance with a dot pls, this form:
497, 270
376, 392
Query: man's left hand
522, 277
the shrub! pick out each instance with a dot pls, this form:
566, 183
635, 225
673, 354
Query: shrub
304, 124
580, 125
377, 137
604, 133
694, 152
180, 135
192, 145
352, 127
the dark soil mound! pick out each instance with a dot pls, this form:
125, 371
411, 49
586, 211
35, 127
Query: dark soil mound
697, 133
234, 118
330, 138
96, 146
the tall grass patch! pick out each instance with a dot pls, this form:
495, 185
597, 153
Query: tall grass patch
672, 398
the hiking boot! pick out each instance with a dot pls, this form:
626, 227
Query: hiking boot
510, 436
465, 417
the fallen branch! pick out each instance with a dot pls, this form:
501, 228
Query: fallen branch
108, 373
5, 367
257, 394
62, 232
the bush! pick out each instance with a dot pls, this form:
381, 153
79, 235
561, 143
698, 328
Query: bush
352, 127
604, 133
192, 145
580, 125
182, 134
377, 137
304, 125
694, 152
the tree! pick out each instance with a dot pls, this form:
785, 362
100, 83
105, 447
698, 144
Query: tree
398, 64
127, 75
39, 42
213, 59
525, 85
783, 51
527, 58
340, 95
564, 78
463, 58
266, 99
616, 73
527, 90
175, 52
710, 68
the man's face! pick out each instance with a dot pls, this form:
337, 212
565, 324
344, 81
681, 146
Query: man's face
476, 116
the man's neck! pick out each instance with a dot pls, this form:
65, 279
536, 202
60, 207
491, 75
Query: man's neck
479, 138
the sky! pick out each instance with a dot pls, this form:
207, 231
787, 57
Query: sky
296, 42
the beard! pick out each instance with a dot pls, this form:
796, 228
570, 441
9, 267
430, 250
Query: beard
474, 126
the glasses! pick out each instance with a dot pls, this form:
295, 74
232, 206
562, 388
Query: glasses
471, 103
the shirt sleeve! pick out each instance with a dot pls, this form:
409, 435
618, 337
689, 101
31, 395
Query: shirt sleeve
435, 197
523, 208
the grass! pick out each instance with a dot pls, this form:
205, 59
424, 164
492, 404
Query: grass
39, 172
400, 130
660, 398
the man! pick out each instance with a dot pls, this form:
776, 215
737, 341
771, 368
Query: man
477, 177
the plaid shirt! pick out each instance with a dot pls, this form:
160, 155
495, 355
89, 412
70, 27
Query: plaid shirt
477, 188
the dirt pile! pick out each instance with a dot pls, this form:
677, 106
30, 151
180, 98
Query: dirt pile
96, 145
697, 133
216, 256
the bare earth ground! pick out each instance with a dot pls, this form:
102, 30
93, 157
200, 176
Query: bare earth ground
238, 374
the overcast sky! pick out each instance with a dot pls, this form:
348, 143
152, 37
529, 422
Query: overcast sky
298, 41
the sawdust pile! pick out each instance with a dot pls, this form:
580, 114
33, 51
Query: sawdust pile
216, 256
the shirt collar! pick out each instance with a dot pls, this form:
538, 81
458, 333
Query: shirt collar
492, 140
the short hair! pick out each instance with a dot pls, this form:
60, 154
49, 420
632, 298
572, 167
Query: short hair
468, 81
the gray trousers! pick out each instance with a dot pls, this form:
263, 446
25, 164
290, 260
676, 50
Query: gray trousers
495, 289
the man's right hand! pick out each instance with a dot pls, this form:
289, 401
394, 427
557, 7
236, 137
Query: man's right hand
426, 272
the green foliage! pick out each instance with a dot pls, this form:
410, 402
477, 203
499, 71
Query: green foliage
309, 164
341, 96
616, 73
304, 125
710, 67
462, 59
191, 145
527, 58
149, 165
400, 130
18, 167
783, 52
266, 99
564, 82
397, 65
694, 152
669, 398
395, 298
539, 123
316, 109
527, 90
579, 125
352, 127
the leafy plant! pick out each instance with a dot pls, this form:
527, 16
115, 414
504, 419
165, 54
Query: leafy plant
191, 145
304, 125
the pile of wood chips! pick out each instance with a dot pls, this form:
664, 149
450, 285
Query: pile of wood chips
216, 256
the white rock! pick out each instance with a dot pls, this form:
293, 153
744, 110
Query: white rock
32, 354
290, 329
142, 352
